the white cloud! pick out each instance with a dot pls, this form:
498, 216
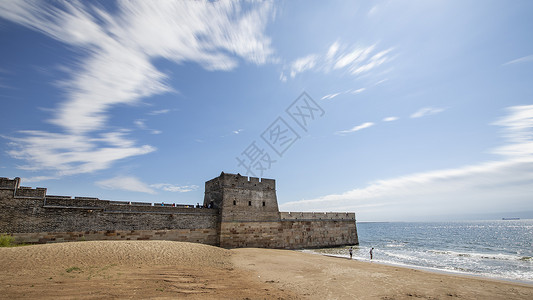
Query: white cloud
358, 91
525, 59
126, 183
303, 64
237, 131
350, 91
174, 188
69, 154
373, 10
427, 111
330, 96
140, 123
518, 129
283, 77
354, 61
133, 184
37, 178
356, 128
117, 67
159, 112
332, 50
495, 186
390, 119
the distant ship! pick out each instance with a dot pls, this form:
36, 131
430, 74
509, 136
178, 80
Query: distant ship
510, 218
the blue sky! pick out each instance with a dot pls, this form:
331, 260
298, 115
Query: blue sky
394, 110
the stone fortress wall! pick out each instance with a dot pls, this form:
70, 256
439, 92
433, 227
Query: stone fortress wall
244, 213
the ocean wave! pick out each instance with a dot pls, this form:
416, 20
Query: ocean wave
475, 255
395, 245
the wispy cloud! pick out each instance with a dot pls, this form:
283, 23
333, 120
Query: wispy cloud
303, 64
37, 178
350, 91
141, 124
117, 68
330, 96
125, 183
356, 60
174, 188
358, 91
494, 186
159, 112
355, 128
390, 119
133, 184
518, 129
427, 111
68, 154
525, 59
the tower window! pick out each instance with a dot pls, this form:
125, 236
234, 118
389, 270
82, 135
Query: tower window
263, 203
249, 203
234, 202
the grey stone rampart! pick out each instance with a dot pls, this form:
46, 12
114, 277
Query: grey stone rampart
245, 213
288, 234
33, 213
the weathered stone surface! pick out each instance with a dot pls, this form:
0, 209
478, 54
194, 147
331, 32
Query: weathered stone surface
244, 213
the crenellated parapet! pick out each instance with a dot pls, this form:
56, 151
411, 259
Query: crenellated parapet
240, 198
21, 191
10, 184
303, 216
228, 180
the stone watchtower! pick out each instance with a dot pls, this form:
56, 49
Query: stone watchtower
240, 199
249, 216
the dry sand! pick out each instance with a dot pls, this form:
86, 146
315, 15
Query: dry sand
174, 270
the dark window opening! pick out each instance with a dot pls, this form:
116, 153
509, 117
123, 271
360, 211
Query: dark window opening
234, 202
249, 203
263, 203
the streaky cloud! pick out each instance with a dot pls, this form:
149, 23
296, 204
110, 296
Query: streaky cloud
355, 61
355, 128
390, 119
525, 59
427, 111
125, 183
117, 67
501, 185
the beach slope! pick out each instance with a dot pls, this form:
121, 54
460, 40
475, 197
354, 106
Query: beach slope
174, 270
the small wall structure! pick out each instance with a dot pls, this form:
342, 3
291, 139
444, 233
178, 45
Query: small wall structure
243, 213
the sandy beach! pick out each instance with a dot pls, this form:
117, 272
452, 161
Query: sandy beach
174, 270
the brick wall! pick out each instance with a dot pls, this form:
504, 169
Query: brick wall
288, 234
207, 236
25, 214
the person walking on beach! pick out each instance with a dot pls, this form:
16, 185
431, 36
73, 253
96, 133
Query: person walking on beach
371, 253
351, 252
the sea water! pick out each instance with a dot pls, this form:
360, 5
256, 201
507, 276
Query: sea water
497, 249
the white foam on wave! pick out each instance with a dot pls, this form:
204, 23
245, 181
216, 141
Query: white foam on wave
479, 256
